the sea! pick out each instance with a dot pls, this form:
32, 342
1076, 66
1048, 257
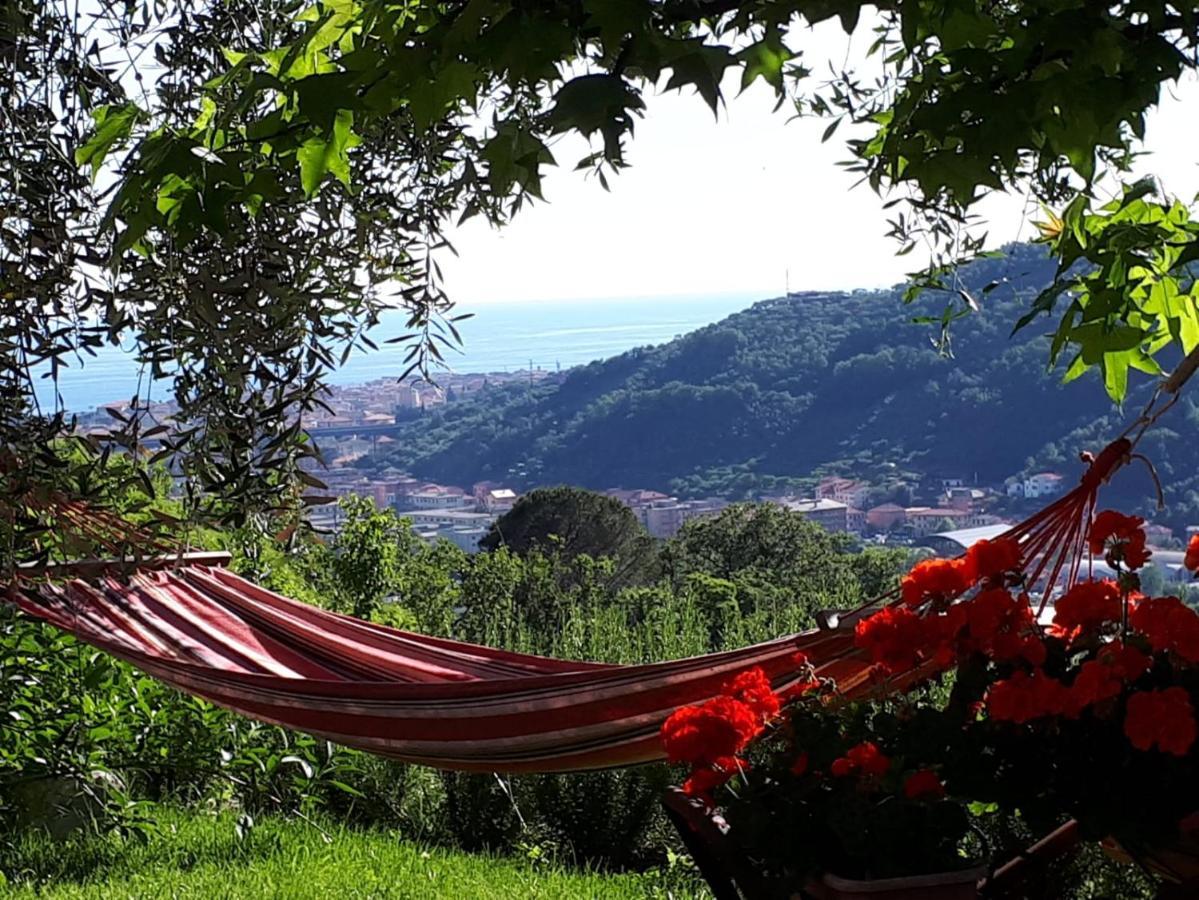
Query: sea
499, 337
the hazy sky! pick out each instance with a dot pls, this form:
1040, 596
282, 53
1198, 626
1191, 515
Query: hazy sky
730, 205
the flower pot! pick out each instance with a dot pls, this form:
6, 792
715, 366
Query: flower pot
960, 885
1177, 862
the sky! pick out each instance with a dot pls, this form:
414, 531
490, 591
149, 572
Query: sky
745, 202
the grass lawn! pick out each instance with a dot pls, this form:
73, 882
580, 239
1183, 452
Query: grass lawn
195, 855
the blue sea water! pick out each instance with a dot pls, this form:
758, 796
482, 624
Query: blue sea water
499, 337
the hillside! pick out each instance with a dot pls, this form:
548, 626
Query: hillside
812, 383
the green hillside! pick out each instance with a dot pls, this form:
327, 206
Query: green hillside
813, 383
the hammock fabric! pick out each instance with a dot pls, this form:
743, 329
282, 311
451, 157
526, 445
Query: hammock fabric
454, 705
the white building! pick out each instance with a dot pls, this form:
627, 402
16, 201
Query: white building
1043, 484
435, 497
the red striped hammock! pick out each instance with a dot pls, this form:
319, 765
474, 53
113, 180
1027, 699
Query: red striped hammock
450, 704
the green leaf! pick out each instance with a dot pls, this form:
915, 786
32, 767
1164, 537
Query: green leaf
1115, 375
113, 126
318, 157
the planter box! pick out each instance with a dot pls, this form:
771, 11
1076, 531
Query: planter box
962, 885
732, 877
1177, 863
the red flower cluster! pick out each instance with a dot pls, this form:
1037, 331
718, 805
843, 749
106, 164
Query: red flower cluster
1191, 560
708, 737
1025, 697
752, 688
1104, 677
1121, 537
709, 733
923, 785
990, 559
1163, 718
1087, 606
702, 781
865, 759
1001, 626
898, 639
1169, 624
993, 622
936, 579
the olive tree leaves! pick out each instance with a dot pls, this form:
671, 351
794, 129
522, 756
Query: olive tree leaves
298, 163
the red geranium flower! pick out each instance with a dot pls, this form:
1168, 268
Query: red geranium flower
898, 639
1163, 718
1191, 560
1121, 536
752, 688
923, 785
862, 759
705, 779
1025, 697
1002, 626
1087, 606
936, 578
1104, 677
717, 729
1169, 624
990, 559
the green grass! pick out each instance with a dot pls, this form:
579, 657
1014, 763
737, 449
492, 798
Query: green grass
196, 855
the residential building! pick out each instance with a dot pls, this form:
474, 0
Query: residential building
855, 520
1043, 484
964, 498
665, 518
923, 521
447, 518
886, 516
1158, 535
843, 490
480, 489
830, 514
435, 496
499, 500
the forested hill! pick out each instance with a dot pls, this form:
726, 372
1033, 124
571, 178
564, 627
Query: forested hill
793, 386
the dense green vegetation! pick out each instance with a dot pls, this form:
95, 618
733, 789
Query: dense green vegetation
198, 854
813, 383
77, 721
178, 797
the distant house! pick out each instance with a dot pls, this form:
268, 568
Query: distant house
886, 516
964, 498
480, 489
855, 520
1043, 484
435, 496
923, 521
830, 514
664, 517
638, 497
843, 490
1158, 535
499, 500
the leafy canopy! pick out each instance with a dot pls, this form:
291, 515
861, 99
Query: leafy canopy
240, 189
